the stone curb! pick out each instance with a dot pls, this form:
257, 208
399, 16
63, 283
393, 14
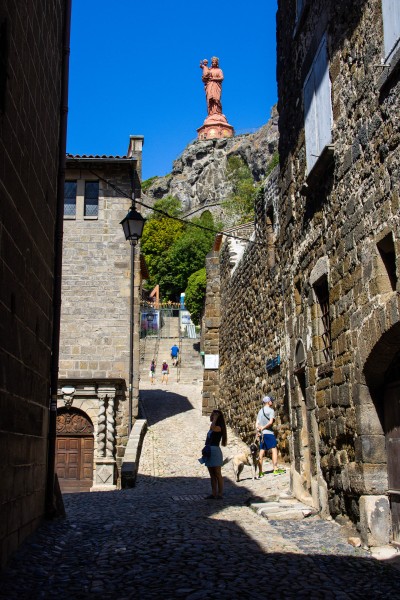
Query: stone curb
130, 462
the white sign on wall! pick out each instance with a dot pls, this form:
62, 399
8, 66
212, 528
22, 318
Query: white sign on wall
211, 361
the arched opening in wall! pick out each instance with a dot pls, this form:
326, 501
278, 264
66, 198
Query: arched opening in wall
382, 374
269, 221
74, 451
386, 265
301, 434
323, 320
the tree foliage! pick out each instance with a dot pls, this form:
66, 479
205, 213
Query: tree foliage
195, 294
173, 249
240, 203
169, 205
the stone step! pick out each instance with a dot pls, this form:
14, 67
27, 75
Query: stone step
190, 370
283, 510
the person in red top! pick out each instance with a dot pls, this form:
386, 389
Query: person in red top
164, 372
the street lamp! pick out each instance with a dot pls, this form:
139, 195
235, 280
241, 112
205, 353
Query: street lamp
132, 225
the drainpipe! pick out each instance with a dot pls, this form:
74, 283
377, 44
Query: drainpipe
54, 506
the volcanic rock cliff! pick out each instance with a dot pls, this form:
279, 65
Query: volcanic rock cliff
198, 178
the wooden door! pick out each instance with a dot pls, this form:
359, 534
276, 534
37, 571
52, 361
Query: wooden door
74, 463
75, 451
392, 429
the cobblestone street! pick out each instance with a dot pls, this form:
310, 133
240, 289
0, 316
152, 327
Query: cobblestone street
162, 539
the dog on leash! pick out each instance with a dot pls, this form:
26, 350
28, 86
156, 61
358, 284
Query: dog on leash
248, 457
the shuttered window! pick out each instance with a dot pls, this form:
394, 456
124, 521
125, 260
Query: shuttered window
317, 107
391, 26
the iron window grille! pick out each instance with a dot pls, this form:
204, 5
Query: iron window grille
70, 199
91, 204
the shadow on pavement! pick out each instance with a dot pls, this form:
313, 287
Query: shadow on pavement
158, 404
162, 539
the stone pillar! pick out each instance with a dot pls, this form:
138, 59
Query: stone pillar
110, 427
375, 520
101, 426
105, 460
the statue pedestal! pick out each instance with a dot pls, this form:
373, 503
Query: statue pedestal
215, 126
105, 469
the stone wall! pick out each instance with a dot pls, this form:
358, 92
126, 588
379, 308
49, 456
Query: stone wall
30, 101
244, 288
340, 229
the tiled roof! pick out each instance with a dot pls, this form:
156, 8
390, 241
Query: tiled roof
78, 156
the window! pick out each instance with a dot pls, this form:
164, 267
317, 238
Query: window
386, 275
91, 205
270, 237
324, 327
391, 27
70, 199
317, 107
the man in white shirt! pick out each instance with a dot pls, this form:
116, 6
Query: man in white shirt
264, 422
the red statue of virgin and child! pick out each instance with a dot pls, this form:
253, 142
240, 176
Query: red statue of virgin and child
215, 125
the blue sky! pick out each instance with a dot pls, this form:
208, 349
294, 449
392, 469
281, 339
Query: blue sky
134, 69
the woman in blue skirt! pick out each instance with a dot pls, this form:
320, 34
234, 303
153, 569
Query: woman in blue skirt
213, 461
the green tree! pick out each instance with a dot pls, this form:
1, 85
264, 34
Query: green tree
195, 294
240, 203
186, 256
174, 250
169, 205
159, 235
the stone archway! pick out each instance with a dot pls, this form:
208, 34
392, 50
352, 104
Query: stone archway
376, 390
74, 450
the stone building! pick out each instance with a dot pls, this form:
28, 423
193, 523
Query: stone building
93, 396
321, 329
338, 83
34, 39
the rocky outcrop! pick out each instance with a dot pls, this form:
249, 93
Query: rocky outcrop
198, 178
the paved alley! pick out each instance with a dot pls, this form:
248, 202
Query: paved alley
162, 539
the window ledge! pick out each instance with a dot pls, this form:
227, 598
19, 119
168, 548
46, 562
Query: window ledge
69, 217
389, 70
91, 218
324, 162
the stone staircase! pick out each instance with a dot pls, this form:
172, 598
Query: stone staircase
190, 368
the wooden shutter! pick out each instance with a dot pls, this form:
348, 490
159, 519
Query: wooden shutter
310, 119
323, 98
317, 107
391, 25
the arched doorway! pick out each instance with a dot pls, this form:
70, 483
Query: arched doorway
392, 434
74, 457
379, 435
301, 433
